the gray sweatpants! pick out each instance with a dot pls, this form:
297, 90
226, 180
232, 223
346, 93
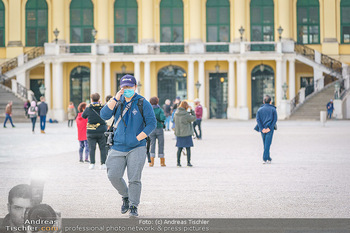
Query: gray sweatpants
157, 133
134, 161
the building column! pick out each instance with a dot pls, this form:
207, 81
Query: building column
190, 80
239, 19
279, 80
291, 79
243, 108
147, 34
48, 84
147, 79
58, 20
231, 90
57, 92
330, 43
102, 21
22, 79
14, 46
107, 78
195, 21
284, 7
201, 79
93, 78
99, 78
137, 73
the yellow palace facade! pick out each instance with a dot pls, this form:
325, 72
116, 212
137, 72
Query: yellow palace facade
227, 53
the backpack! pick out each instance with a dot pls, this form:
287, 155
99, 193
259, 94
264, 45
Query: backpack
34, 114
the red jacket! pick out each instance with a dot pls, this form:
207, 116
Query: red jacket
199, 111
81, 124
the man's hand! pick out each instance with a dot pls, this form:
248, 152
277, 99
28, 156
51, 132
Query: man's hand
119, 94
141, 136
265, 130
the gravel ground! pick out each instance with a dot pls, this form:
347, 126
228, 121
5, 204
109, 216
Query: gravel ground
309, 176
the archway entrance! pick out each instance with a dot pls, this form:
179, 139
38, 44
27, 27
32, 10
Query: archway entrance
172, 82
80, 85
263, 83
218, 95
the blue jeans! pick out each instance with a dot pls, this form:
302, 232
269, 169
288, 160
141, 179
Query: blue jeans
197, 122
33, 119
167, 122
82, 145
42, 122
8, 117
267, 140
329, 114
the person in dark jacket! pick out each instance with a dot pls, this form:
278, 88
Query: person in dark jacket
184, 130
96, 128
330, 109
266, 118
129, 142
167, 112
158, 133
42, 112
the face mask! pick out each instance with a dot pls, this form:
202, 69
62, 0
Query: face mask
129, 93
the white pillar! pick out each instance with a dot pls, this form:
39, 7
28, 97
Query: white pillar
201, 79
190, 80
147, 79
291, 79
22, 78
93, 78
231, 89
107, 79
243, 108
48, 84
99, 79
137, 70
279, 79
318, 75
57, 92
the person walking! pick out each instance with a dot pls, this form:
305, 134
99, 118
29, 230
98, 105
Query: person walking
184, 131
26, 107
135, 120
158, 133
330, 109
167, 111
8, 114
42, 112
199, 113
72, 113
33, 114
266, 119
96, 127
81, 125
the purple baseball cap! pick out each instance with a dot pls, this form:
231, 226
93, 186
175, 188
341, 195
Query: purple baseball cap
128, 81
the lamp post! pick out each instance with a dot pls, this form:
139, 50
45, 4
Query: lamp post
285, 88
198, 85
262, 67
139, 85
123, 68
56, 33
42, 89
280, 30
241, 31
337, 89
94, 33
217, 67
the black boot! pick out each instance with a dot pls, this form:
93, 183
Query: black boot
188, 149
125, 206
179, 156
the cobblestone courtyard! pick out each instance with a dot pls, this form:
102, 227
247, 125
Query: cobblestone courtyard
309, 176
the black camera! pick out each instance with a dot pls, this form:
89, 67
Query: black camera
41, 217
109, 135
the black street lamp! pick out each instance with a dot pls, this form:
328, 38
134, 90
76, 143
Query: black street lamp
241, 31
280, 30
56, 33
94, 33
139, 85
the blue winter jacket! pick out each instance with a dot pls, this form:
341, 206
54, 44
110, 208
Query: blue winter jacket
266, 117
125, 137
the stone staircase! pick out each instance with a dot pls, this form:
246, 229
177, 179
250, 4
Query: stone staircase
18, 115
310, 109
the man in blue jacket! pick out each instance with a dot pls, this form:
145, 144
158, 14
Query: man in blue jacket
131, 128
266, 118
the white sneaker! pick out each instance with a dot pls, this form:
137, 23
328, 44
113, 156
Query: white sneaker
264, 162
268, 162
103, 167
91, 166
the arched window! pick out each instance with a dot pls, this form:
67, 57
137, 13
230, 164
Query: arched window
345, 21
171, 21
81, 21
308, 21
36, 22
2, 24
218, 21
262, 20
125, 21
